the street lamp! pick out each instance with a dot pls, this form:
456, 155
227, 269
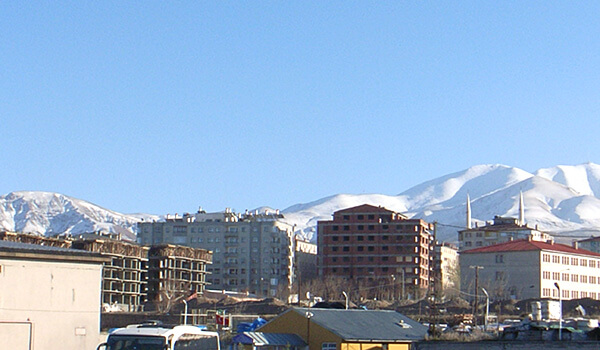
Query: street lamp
308, 316
346, 296
487, 307
185, 311
476, 268
560, 307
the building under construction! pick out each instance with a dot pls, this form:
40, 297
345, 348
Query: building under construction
124, 282
176, 271
136, 274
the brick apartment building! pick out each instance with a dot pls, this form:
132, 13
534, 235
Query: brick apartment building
369, 244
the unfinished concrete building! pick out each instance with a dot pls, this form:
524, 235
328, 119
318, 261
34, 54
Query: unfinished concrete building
34, 239
124, 283
174, 272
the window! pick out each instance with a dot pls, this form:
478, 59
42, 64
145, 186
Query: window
371, 238
499, 258
361, 227
335, 227
546, 275
346, 238
328, 346
346, 217
346, 228
574, 278
370, 248
371, 227
360, 217
360, 249
360, 238
546, 257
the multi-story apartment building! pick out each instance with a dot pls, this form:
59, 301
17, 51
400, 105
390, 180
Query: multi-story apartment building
369, 243
524, 269
124, 279
252, 252
446, 267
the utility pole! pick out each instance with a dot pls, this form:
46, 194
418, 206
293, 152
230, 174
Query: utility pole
477, 268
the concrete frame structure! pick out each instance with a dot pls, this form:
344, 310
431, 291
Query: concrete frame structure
125, 277
370, 243
50, 297
252, 252
525, 269
176, 271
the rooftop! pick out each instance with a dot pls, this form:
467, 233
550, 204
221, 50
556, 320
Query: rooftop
529, 245
366, 325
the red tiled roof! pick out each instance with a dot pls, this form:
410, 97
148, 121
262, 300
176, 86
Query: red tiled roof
527, 245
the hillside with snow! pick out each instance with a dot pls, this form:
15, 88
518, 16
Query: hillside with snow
563, 200
50, 214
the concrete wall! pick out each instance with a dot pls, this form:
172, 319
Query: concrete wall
49, 305
511, 273
505, 345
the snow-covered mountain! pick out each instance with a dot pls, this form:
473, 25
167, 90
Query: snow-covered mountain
50, 214
563, 200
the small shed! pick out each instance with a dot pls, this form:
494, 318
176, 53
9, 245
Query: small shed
334, 329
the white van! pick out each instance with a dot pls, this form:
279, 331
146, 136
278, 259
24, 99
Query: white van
154, 336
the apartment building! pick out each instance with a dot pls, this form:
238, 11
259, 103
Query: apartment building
125, 277
527, 268
252, 252
369, 243
446, 267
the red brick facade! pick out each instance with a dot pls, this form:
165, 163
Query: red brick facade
368, 243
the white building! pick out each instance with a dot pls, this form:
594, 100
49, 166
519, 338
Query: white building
527, 268
50, 297
445, 264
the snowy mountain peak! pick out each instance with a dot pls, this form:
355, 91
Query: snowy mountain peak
50, 213
562, 199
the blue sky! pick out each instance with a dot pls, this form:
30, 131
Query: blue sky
161, 107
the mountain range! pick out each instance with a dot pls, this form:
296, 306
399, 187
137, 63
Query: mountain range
562, 200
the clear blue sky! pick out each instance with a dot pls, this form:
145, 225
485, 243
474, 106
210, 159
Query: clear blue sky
164, 106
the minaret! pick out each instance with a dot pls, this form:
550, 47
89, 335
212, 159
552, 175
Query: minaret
468, 212
521, 210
